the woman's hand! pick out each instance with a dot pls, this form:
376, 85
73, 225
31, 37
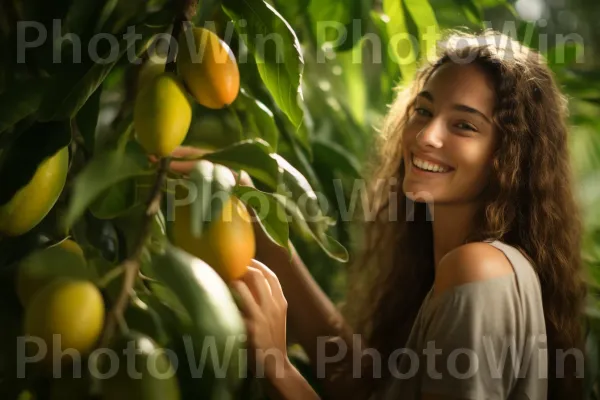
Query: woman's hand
264, 309
184, 167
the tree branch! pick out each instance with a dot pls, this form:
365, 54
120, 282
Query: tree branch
131, 265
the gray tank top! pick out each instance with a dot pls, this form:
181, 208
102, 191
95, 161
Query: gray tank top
479, 340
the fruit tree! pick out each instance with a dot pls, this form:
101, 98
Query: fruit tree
143, 146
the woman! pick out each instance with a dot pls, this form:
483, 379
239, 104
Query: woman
485, 260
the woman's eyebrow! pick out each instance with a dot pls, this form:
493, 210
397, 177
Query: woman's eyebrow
426, 95
460, 107
471, 110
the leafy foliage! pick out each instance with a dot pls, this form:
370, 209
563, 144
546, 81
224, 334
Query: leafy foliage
300, 127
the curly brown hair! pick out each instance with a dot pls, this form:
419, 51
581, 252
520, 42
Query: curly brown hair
529, 204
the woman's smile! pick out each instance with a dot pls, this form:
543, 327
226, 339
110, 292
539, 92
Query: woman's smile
425, 166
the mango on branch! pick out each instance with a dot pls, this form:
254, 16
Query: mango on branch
162, 114
208, 68
33, 202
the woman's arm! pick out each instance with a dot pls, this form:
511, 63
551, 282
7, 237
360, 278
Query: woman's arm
312, 317
290, 386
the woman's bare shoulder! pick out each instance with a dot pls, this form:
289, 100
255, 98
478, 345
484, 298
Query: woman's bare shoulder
471, 262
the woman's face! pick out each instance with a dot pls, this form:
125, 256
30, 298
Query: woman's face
449, 140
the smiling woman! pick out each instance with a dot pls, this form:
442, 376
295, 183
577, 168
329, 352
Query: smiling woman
477, 293
449, 139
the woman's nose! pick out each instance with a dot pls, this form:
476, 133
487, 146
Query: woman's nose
431, 135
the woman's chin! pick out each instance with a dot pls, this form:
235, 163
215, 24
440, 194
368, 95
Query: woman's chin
418, 193
420, 197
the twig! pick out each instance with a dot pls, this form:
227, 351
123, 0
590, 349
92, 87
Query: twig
131, 264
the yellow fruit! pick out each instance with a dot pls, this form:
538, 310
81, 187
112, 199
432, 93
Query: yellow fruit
208, 68
71, 309
228, 245
150, 70
33, 201
147, 375
71, 246
162, 115
30, 279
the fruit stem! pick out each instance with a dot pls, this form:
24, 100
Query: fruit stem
109, 277
188, 10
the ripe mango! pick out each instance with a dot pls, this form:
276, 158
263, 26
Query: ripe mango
150, 70
162, 115
72, 309
34, 201
228, 245
208, 68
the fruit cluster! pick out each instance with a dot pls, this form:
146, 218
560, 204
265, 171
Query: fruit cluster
206, 70
74, 308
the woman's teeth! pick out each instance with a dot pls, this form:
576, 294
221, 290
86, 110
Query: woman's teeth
428, 166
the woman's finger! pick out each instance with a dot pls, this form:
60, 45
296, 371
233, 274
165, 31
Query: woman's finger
276, 289
247, 304
258, 285
182, 167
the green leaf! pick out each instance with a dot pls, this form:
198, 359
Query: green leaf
528, 34
402, 50
424, 18
116, 200
166, 296
55, 261
298, 186
312, 230
271, 215
104, 15
291, 9
390, 68
253, 156
216, 320
87, 119
472, 10
141, 317
276, 49
259, 119
103, 171
214, 130
71, 88
20, 160
343, 21
302, 204
81, 16
19, 100
336, 157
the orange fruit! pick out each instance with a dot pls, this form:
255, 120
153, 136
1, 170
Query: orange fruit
228, 245
208, 68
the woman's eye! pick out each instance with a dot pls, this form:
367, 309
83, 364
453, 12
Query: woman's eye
422, 112
466, 126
